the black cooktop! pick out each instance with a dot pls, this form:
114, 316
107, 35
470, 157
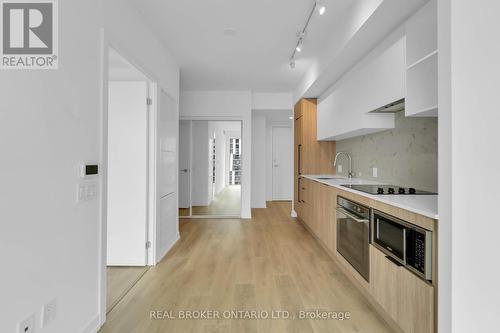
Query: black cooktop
388, 190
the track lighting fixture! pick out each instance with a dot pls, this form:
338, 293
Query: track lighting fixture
299, 46
319, 5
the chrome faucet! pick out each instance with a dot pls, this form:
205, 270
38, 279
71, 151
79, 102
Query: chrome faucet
350, 174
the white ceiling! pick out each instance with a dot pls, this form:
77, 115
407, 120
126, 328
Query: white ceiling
257, 56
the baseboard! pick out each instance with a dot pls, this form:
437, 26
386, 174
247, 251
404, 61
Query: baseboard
93, 326
163, 252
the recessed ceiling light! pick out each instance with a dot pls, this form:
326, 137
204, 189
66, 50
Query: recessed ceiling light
230, 32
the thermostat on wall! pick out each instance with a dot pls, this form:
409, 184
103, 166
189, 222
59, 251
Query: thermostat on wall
89, 170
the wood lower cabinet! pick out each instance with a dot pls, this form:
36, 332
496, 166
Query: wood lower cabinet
317, 211
325, 215
407, 299
403, 296
306, 205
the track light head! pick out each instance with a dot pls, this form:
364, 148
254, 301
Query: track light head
300, 45
320, 6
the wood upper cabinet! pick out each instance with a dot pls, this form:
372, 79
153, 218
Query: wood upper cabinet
315, 157
297, 111
404, 296
311, 156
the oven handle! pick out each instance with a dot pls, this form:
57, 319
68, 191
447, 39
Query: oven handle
345, 212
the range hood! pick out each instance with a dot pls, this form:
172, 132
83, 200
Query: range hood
391, 107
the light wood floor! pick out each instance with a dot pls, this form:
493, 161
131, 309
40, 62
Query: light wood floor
226, 203
268, 263
119, 282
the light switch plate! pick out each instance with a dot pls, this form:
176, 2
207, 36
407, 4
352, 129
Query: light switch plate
375, 172
87, 191
339, 168
49, 312
27, 325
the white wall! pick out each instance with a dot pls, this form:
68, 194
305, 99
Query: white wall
199, 181
469, 138
262, 145
226, 105
272, 101
50, 123
259, 161
127, 173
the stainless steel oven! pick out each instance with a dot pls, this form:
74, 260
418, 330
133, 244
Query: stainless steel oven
404, 242
353, 235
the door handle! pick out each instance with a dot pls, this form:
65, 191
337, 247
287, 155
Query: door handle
185, 170
355, 218
299, 159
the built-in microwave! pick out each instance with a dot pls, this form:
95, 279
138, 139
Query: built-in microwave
407, 243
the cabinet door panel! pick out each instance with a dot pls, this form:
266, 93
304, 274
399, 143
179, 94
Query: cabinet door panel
416, 304
332, 233
404, 296
324, 213
384, 282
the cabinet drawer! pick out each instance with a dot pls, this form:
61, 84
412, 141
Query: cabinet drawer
404, 296
383, 282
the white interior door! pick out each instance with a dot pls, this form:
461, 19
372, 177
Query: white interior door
127, 174
282, 163
167, 226
184, 163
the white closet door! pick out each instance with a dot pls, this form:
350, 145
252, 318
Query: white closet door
127, 174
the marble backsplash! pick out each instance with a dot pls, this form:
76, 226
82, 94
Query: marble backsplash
406, 155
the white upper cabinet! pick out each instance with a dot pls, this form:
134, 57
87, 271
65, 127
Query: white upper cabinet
377, 80
422, 62
404, 65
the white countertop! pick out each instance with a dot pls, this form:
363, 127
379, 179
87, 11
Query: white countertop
426, 205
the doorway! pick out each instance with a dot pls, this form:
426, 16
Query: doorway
129, 93
282, 155
210, 156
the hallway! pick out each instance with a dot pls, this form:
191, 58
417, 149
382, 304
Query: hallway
225, 203
268, 263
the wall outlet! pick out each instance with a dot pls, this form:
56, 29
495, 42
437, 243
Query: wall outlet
49, 312
375, 172
27, 325
339, 168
